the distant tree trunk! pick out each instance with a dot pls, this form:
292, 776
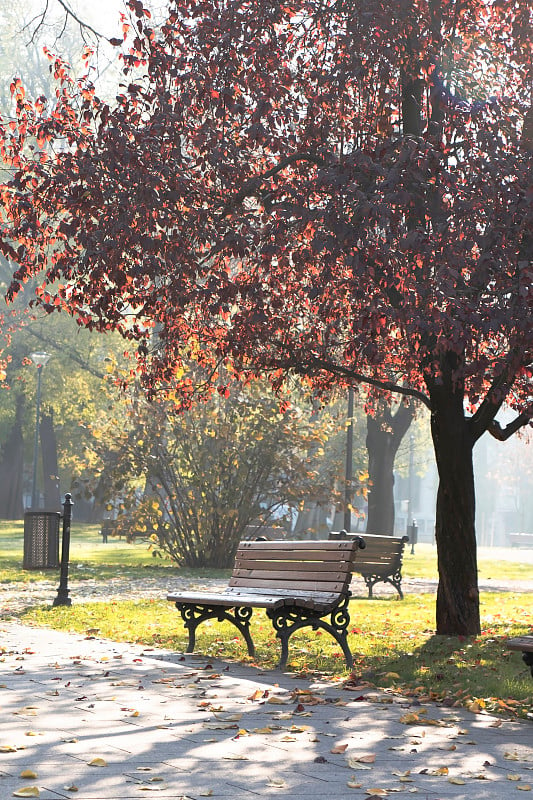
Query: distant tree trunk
52, 500
457, 595
385, 432
11, 469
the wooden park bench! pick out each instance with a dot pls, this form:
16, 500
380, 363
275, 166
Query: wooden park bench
297, 583
381, 561
525, 645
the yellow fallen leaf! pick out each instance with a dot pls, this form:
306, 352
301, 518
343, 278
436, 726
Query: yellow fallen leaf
514, 777
299, 728
275, 700
135, 714
27, 791
457, 781
524, 787
409, 719
263, 730
98, 762
288, 739
8, 748
155, 779
511, 756
28, 773
207, 793
439, 771
378, 792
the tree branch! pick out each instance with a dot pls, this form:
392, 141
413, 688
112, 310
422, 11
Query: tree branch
251, 186
502, 434
359, 377
68, 13
493, 401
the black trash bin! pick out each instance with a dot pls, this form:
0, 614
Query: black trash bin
41, 540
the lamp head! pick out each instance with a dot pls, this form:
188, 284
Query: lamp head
40, 359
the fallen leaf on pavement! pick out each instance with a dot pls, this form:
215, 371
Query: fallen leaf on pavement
278, 783
352, 784
27, 791
339, 748
98, 762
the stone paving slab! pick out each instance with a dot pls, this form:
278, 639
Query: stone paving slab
116, 722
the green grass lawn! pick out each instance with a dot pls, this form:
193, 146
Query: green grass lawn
89, 555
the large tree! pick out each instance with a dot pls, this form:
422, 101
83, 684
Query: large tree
338, 189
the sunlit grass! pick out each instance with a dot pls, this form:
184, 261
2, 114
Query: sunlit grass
89, 557
393, 643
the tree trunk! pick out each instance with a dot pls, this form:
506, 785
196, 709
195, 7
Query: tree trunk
457, 595
11, 470
385, 432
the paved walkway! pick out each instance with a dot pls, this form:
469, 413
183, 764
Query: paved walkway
96, 720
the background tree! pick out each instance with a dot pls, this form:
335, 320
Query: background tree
386, 428
337, 190
206, 474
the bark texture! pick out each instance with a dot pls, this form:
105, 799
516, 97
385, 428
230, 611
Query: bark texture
457, 611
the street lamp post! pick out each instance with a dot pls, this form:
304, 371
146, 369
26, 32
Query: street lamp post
40, 360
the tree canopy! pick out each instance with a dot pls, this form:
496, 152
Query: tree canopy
338, 189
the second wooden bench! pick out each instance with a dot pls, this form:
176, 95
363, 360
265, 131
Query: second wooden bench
296, 582
381, 561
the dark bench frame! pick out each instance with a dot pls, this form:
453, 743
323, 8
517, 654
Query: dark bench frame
525, 644
296, 582
382, 560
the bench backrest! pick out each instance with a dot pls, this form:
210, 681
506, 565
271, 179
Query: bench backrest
295, 566
381, 554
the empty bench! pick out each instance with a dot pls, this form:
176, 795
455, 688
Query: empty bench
381, 561
525, 645
297, 583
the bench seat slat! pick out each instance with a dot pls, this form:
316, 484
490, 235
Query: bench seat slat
321, 546
343, 567
278, 575
317, 557
292, 585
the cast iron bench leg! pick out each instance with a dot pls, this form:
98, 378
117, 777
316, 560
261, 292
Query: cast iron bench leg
287, 620
527, 658
194, 615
